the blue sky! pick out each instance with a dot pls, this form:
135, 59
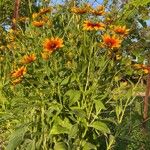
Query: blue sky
148, 22
90, 1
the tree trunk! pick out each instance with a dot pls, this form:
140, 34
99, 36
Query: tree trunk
15, 14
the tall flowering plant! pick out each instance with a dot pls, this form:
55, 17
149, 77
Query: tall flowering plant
68, 79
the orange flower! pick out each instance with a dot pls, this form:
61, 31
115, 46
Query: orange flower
38, 23
100, 10
44, 10
111, 41
19, 72
78, 10
122, 30
28, 59
138, 66
88, 25
52, 44
145, 69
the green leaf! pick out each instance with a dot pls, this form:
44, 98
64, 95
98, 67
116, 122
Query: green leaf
31, 145
65, 81
65, 123
74, 96
139, 2
16, 137
98, 125
79, 112
61, 126
60, 146
99, 106
118, 111
57, 129
138, 108
111, 142
74, 131
2, 97
89, 146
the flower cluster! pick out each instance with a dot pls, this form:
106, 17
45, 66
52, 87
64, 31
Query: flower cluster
112, 40
18, 74
38, 19
98, 11
42, 11
49, 46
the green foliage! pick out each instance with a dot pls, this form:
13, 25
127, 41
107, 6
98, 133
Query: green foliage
17, 137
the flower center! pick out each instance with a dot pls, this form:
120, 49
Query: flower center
53, 45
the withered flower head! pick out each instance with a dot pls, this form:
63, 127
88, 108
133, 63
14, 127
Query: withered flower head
100, 10
81, 10
19, 72
38, 23
44, 10
28, 59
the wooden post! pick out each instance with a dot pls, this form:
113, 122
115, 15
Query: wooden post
146, 103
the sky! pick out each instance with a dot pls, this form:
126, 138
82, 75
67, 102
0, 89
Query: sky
148, 22
89, 1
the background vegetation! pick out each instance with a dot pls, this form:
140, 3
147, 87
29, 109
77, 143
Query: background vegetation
63, 86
